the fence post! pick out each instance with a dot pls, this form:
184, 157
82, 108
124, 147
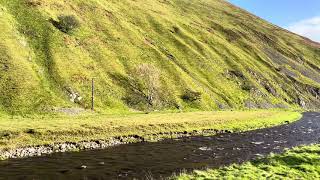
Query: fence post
92, 94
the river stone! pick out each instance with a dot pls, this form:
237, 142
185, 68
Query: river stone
205, 149
82, 167
257, 143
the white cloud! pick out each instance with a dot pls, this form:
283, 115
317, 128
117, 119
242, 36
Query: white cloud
309, 28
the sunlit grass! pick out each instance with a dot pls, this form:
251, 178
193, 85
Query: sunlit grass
299, 163
15, 132
193, 43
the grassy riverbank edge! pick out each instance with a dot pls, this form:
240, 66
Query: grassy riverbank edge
37, 131
298, 163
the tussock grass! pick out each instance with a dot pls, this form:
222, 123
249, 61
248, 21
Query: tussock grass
21, 132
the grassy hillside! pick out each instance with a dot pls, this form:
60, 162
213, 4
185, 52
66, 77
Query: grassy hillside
149, 55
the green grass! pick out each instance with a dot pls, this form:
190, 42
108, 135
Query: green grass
15, 131
299, 163
193, 43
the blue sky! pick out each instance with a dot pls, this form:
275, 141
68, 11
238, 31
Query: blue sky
299, 16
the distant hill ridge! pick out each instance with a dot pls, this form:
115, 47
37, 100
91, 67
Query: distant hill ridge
150, 55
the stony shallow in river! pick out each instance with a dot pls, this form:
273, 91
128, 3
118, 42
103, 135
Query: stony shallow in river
161, 159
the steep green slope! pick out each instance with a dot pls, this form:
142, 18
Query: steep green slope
150, 54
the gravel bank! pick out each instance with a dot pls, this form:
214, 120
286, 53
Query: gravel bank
97, 144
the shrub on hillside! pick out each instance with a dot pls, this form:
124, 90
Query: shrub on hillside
144, 89
147, 82
66, 23
33, 3
247, 86
191, 96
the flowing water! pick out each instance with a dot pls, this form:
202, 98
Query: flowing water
162, 159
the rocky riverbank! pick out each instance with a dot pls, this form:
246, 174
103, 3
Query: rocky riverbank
98, 144
55, 148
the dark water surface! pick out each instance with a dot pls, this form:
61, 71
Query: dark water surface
161, 159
